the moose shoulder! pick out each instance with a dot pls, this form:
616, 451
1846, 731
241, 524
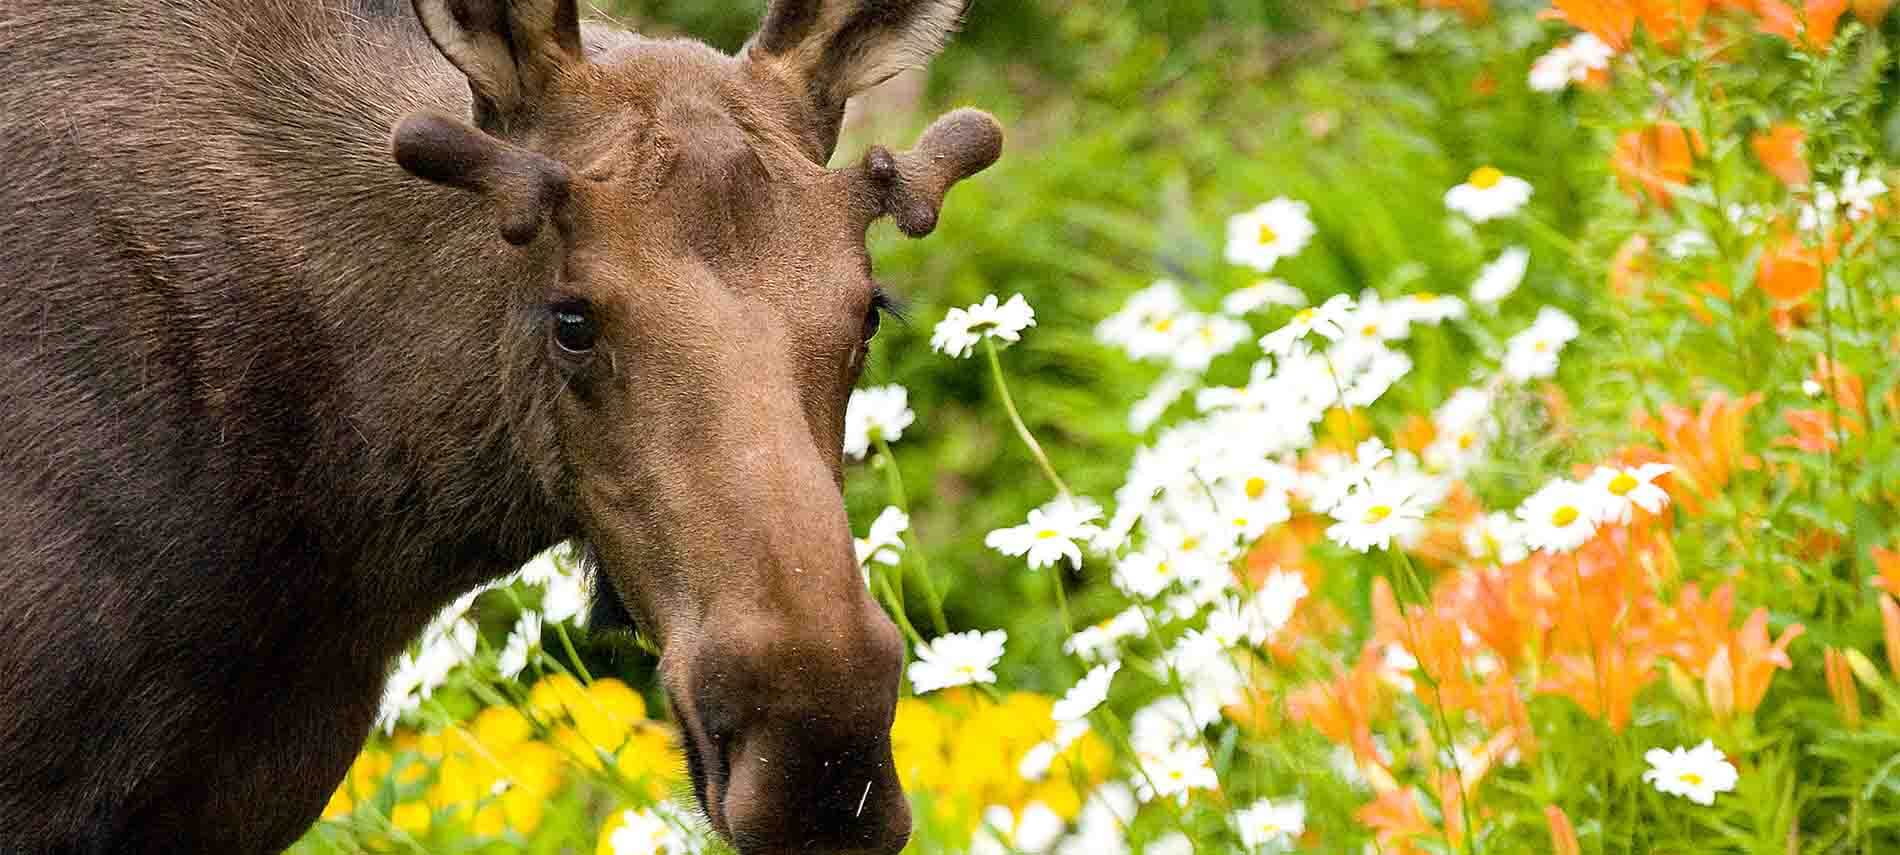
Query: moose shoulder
316, 313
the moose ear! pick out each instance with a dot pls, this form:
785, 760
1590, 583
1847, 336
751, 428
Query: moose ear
835, 49
509, 49
909, 187
526, 187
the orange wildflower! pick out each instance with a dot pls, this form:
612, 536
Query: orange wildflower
1630, 267
1343, 709
1890, 631
1653, 161
1474, 11
1887, 565
1780, 150
1614, 21
1563, 835
1789, 270
1841, 686
1812, 26
1757, 659
1604, 685
1395, 819
1814, 431
1842, 384
1705, 290
1705, 445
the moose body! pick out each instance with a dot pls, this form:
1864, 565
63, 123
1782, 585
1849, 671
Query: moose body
272, 394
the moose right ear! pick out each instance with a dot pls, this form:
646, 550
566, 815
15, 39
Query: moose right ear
526, 187
510, 50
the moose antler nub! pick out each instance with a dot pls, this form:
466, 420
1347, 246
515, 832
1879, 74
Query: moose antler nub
910, 186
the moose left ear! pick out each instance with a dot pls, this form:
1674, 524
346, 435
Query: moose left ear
910, 186
835, 49
525, 186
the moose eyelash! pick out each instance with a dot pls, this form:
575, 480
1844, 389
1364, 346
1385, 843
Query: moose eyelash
890, 305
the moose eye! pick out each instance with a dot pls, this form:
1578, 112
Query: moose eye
574, 327
872, 320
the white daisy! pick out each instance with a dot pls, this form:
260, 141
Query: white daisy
957, 659
1005, 832
1560, 517
1087, 694
1261, 237
1268, 824
1533, 353
1260, 617
1101, 642
1425, 307
874, 413
1160, 397
1570, 62
1175, 773
1148, 325
1327, 320
1204, 338
961, 329
1054, 531
1859, 194
651, 831
885, 540
1622, 488
1496, 536
1696, 774
1488, 194
1267, 292
1500, 278
521, 640
1376, 512
1102, 826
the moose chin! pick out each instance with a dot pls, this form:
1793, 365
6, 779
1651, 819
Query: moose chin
315, 314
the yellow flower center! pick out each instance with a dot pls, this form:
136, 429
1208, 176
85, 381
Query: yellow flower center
1543, 346
1267, 235
1046, 534
1256, 487
1164, 325
1162, 569
1378, 513
1622, 484
1486, 177
1466, 440
1692, 779
1190, 544
1424, 296
1565, 516
1305, 316
1369, 330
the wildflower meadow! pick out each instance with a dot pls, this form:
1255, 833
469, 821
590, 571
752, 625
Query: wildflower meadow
1358, 426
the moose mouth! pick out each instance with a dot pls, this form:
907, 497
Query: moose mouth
708, 768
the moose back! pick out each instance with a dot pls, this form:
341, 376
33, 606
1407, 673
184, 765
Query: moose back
317, 313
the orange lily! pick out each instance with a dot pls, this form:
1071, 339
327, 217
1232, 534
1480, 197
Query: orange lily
1841, 686
1563, 835
1757, 659
1705, 445
1813, 27
1789, 269
1780, 150
1887, 565
1890, 632
1653, 161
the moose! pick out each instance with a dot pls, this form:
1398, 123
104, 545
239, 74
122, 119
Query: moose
315, 314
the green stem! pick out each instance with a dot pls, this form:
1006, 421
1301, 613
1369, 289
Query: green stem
560, 629
897, 612
1016, 418
894, 480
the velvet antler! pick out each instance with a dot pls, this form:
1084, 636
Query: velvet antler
910, 186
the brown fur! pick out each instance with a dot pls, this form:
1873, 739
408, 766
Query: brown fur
277, 381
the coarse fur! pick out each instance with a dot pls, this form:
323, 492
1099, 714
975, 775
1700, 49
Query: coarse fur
276, 384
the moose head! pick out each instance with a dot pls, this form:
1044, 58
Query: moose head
707, 311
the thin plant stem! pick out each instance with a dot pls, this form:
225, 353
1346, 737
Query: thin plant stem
897, 611
894, 480
560, 629
1015, 418
1404, 562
